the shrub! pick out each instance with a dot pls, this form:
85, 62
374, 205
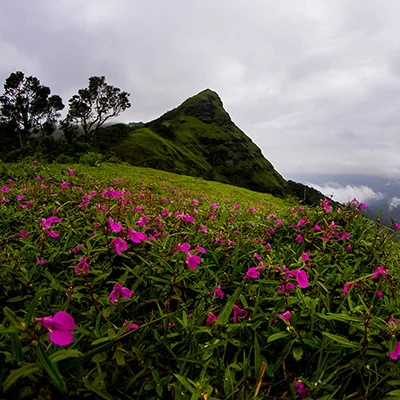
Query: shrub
91, 159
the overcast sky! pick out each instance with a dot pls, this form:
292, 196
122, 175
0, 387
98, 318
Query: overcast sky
316, 84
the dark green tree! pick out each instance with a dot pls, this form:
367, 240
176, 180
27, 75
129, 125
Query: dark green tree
28, 105
95, 105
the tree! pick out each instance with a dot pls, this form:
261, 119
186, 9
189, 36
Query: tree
95, 105
28, 104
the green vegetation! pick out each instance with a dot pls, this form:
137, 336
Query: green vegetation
162, 286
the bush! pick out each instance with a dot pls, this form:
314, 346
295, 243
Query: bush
64, 159
91, 159
228, 301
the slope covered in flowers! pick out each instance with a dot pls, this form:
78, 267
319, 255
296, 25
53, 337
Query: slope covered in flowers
177, 288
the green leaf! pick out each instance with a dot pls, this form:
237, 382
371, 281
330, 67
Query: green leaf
341, 340
297, 353
226, 311
12, 317
228, 382
185, 383
257, 356
395, 393
32, 307
51, 368
15, 374
96, 390
64, 354
277, 336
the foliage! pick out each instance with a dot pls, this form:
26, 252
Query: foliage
92, 159
28, 104
93, 106
222, 295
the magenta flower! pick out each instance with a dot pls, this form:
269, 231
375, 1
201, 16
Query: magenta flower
211, 318
217, 292
345, 236
184, 247
301, 390
203, 228
40, 262
166, 212
188, 218
299, 238
238, 313
302, 222
253, 273
252, 209
136, 237
64, 185
286, 316
214, 206
20, 197
115, 226
301, 278
120, 291
4, 189
317, 227
379, 294
52, 234
257, 256
70, 172
396, 352
23, 234
380, 271
60, 327
193, 260
119, 244
348, 249
201, 249
286, 288
305, 256
396, 226
348, 286
82, 266
130, 326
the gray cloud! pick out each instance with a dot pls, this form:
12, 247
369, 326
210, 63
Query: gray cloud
314, 83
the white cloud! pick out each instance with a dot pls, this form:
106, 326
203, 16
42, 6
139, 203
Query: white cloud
343, 194
394, 203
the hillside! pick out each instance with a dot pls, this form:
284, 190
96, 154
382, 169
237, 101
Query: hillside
199, 138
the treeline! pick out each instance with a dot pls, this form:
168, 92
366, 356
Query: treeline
30, 116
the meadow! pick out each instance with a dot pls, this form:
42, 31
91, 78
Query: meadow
121, 282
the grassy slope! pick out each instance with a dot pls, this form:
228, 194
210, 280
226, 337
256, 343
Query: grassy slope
198, 138
196, 185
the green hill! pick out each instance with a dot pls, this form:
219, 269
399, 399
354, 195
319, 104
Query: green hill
199, 138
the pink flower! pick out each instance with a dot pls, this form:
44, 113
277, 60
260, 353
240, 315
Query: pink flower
115, 226
130, 326
183, 247
193, 260
253, 272
23, 234
52, 234
203, 228
286, 288
4, 189
211, 318
252, 209
286, 316
201, 249
195, 202
257, 256
349, 249
345, 236
136, 237
238, 313
396, 226
301, 391
379, 294
82, 266
380, 271
348, 286
301, 278
317, 227
326, 204
214, 206
279, 222
299, 238
119, 244
20, 197
218, 292
64, 185
120, 291
60, 327
302, 222
305, 256
70, 172
188, 218
40, 262
396, 352
166, 212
